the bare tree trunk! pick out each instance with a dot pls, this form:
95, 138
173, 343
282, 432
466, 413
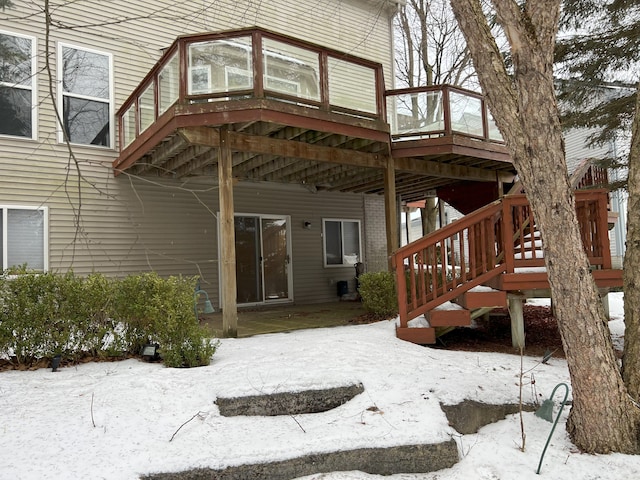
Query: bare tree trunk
631, 272
603, 418
429, 215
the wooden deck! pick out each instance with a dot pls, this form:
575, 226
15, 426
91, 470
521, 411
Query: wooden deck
487, 259
299, 123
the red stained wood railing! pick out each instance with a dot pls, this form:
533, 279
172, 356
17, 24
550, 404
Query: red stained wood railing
438, 267
499, 238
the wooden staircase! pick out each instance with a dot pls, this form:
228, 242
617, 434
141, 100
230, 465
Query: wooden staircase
469, 267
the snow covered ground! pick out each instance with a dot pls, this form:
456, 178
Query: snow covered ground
120, 420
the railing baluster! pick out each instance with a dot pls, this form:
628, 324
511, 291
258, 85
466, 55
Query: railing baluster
472, 253
508, 229
422, 287
412, 282
463, 258
433, 270
452, 262
443, 264
483, 246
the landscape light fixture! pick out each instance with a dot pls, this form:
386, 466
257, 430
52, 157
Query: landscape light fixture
208, 308
55, 362
150, 352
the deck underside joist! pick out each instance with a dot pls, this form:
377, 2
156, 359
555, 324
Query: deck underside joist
289, 145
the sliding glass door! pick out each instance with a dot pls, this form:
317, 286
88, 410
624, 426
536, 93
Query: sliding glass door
263, 267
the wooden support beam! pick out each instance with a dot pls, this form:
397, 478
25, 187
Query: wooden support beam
516, 312
227, 238
390, 210
282, 148
447, 170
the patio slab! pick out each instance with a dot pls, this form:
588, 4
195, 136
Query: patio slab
285, 318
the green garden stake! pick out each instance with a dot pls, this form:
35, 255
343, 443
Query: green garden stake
546, 412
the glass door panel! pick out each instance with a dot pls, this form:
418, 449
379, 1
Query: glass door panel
248, 260
275, 258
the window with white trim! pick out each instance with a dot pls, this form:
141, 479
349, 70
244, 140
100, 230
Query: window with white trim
17, 85
86, 103
341, 242
24, 237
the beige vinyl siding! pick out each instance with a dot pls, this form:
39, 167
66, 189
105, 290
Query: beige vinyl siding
312, 282
136, 32
131, 225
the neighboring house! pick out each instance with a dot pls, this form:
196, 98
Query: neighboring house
253, 144
578, 151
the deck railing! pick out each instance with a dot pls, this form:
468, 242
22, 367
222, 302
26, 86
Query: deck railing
589, 175
439, 110
501, 237
253, 63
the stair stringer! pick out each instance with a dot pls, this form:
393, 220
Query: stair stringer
427, 335
455, 292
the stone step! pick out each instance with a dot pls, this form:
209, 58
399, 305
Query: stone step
288, 403
416, 458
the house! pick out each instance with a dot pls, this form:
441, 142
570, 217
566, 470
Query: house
258, 145
581, 153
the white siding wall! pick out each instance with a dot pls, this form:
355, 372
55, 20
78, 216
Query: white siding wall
130, 225
576, 148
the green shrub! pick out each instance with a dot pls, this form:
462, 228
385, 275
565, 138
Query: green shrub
135, 300
31, 304
97, 330
44, 314
378, 293
160, 310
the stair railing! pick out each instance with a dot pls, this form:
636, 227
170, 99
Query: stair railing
444, 264
501, 237
524, 250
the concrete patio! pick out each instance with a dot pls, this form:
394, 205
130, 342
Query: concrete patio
284, 318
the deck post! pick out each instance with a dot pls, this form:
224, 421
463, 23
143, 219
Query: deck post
228, 301
390, 209
516, 312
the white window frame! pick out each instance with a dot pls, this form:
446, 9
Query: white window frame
62, 94
271, 80
34, 86
240, 73
5, 233
324, 242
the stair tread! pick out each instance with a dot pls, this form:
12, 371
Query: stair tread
418, 322
449, 306
483, 288
482, 296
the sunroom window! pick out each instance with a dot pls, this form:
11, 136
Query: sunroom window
17, 85
341, 242
24, 237
86, 96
